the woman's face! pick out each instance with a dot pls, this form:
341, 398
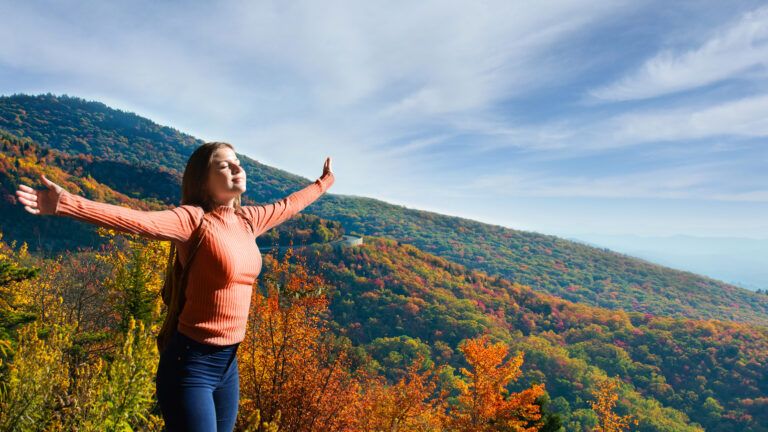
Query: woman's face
226, 179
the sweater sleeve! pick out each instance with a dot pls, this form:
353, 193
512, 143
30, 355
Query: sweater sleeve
174, 224
265, 217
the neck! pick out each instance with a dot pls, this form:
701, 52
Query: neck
228, 203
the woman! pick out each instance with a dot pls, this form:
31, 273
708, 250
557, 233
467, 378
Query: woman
197, 379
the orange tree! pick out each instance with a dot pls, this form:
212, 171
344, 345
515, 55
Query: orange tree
293, 373
484, 404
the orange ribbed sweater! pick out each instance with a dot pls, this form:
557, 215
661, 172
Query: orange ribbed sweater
224, 270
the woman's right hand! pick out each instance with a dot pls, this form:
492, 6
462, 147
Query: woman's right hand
43, 202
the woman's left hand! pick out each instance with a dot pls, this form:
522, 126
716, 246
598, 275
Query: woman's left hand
327, 166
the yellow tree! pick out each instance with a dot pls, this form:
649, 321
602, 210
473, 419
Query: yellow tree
47, 383
37, 378
484, 403
405, 406
608, 421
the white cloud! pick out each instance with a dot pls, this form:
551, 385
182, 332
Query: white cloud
733, 51
577, 136
87, 51
746, 117
695, 181
370, 73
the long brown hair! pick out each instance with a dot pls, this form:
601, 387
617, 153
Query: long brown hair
194, 191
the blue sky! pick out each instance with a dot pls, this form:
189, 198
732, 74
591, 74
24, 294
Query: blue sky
571, 118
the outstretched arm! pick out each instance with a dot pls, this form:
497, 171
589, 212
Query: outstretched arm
265, 217
173, 224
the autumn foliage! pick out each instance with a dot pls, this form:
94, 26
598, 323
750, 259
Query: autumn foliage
407, 405
291, 372
484, 403
67, 369
604, 404
295, 374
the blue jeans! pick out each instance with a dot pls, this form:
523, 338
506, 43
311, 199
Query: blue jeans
198, 385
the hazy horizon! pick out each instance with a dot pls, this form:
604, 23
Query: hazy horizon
740, 261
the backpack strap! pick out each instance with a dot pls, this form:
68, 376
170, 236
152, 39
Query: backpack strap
198, 236
172, 279
176, 298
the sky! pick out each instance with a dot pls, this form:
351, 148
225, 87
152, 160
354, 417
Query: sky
584, 119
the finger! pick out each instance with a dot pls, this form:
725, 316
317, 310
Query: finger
31, 210
51, 185
26, 188
25, 199
27, 202
26, 195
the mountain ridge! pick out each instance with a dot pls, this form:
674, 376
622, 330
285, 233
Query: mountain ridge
595, 276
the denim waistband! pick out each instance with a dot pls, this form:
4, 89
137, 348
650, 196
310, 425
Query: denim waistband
200, 346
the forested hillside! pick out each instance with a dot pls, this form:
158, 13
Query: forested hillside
119, 145
400, 298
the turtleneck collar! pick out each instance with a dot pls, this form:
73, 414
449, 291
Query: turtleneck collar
224, 209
